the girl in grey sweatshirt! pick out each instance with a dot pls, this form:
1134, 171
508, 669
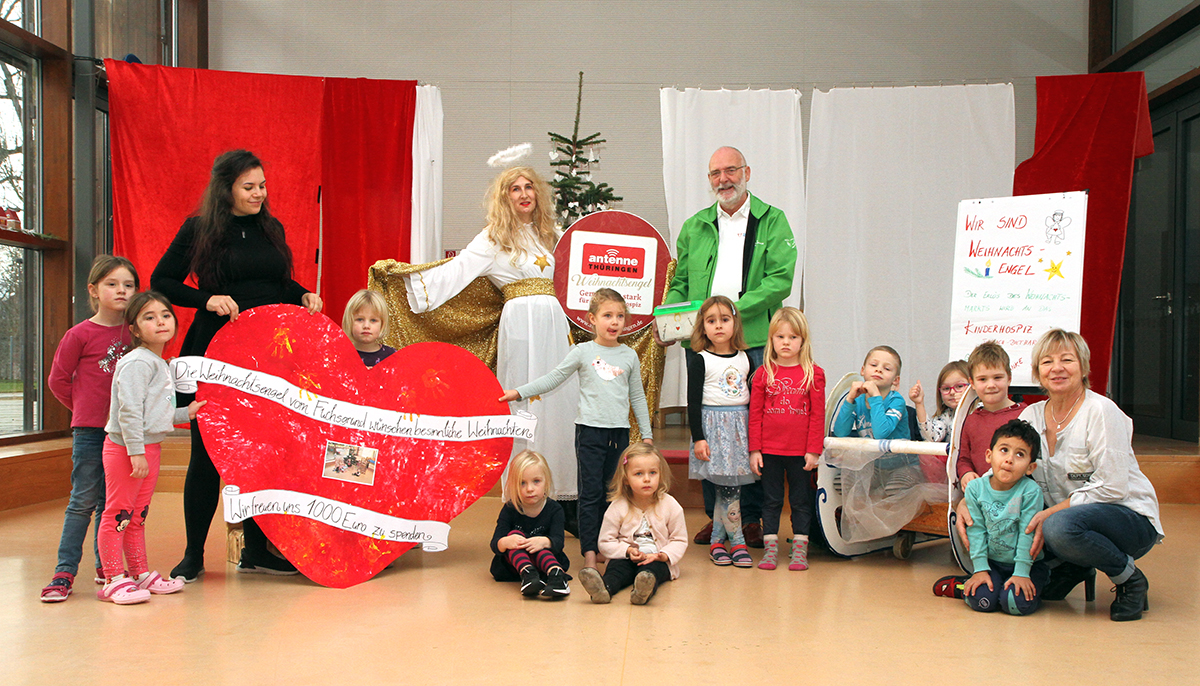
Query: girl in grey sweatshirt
141, 412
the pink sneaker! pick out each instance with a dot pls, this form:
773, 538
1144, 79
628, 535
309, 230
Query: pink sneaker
123, 591
153, 582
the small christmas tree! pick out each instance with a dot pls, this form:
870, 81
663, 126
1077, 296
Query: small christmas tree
575, 193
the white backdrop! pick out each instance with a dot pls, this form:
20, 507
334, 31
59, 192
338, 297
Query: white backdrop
426, 245
765, 126
887, 169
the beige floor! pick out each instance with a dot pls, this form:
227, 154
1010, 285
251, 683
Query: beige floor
438, 618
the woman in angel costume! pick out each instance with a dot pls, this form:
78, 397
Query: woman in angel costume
515, 254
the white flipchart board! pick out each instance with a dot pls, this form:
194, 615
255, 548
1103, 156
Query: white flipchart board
1018, 272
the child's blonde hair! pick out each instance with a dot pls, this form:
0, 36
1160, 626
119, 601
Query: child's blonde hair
618, 488
606, 295
700, 340
951, 367
362, 300
798, 323
521, 462
104, 265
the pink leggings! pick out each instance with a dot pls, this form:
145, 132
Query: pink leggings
126, 503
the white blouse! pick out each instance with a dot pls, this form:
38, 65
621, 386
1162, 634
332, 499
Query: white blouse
1093, 460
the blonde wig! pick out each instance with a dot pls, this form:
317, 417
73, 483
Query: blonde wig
505, 226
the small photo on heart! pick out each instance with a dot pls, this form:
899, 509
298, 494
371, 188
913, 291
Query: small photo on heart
353, 463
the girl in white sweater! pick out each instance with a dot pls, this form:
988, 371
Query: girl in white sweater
141, 413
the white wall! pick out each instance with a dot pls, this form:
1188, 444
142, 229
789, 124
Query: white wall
508, 70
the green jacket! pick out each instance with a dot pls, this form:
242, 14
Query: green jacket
766, 278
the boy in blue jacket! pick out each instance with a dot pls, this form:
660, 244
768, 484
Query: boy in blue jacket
875, 409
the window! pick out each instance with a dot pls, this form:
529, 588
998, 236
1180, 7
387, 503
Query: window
21, 306
23, 13
20, 342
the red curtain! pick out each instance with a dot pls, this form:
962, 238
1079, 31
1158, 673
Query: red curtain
366, 181
1090, 129
168, 124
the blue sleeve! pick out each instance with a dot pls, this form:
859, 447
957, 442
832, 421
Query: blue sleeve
888, 414
843, 424
1031, 504
977, 532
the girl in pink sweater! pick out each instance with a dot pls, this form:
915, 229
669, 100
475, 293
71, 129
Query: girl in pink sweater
643, 535
81, 378
787, 429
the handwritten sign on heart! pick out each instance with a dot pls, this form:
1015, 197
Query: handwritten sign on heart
345, 468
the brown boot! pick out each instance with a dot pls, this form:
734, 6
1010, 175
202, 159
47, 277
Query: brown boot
704, 537
753, 534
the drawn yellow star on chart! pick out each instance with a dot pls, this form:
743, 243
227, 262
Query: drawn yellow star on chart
542, 261
534, 397
1054, 270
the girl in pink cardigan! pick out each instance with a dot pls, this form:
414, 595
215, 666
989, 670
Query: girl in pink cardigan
643, 535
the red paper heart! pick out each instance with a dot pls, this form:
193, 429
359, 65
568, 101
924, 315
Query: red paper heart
257, 444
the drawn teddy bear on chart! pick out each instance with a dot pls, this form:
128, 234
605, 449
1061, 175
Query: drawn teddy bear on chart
1055, 227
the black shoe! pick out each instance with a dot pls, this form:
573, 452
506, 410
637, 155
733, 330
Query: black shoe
556, 584
1132, 598
265, 563
531, 582
189, 569
1065, 577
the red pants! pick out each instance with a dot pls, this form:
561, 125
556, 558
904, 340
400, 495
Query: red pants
126, 503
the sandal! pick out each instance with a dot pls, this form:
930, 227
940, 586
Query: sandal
99, 578
156, 584
740, 555
949, 586
719, 555
59, 588
122, 591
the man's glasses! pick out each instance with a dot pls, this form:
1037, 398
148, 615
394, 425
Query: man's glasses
727, 171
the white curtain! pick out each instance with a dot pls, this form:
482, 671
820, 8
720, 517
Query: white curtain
886, 170
426, 245
765, 126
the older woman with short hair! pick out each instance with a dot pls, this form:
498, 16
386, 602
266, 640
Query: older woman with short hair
1102, 512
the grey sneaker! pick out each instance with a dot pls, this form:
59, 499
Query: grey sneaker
593, 583
644, 585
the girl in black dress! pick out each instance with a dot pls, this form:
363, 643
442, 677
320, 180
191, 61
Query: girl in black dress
236, 250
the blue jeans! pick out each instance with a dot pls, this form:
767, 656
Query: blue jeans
1106, 536
87, 497
997, 598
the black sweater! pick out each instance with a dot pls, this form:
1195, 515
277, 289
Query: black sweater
548, 523
255, 273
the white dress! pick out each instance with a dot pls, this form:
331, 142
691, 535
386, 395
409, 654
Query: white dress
532, 340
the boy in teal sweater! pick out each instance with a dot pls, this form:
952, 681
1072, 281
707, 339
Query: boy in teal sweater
1006, 576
